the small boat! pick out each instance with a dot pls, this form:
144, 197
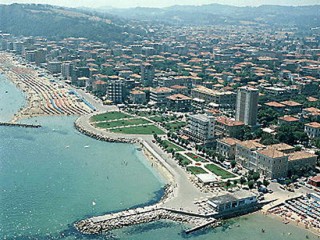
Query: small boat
67, 146
93, 203
86, 146
139, 149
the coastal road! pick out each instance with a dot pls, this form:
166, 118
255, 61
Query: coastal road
185, 193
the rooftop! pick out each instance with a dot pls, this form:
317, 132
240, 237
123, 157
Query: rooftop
313, 125
271, 152
291, 103
300, 155
229, 122
251, 144
275, 104
229, 141
178, 97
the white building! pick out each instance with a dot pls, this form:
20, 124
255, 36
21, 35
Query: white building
200, 128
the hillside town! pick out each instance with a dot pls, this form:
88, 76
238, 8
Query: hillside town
236, 107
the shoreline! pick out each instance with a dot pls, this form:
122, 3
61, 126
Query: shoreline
43, 98
164, 172
292, 223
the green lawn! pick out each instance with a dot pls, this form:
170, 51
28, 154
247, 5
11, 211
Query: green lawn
108, 116
173, 146
175, 125
157, 118
121, 123
219, 171
150, 129
183, 161
196, 157
196, 170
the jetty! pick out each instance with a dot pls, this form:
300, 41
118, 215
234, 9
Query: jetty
8, 124
96, 225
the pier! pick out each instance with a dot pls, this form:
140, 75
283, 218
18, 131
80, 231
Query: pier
19, 125
149, 214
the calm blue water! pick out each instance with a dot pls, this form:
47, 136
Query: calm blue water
11, 99
50, 176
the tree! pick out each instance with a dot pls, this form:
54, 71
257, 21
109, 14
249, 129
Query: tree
266, 182
233, 163
228, 183
242, 180
259, 183
251, 184
235, 182
255, 176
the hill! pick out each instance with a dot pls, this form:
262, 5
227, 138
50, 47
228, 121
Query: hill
302, 16
59, 22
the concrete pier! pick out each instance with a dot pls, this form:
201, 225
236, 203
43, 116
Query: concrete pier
118, 220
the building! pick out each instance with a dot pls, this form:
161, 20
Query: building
99, 87
54, 67
138, 97
271, 163
315, 181
292, 107
276, 106
312, 129
311, 113
147, 74
223, 99
301, 161
66, 70
227, 147
115, 91
179, 103
200, 128
159, 95
287, 120
268, 161
228, 127
233, 202
40, 56
247, 105
185, 81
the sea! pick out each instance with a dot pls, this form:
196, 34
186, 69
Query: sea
53, 176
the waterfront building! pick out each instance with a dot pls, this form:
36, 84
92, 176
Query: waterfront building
247, 105
200, 128
40, 56
269, 161
115, 91
301, 161
54, 67
232, 202
227, 147
99, 87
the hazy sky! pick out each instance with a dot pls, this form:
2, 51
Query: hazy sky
161, 3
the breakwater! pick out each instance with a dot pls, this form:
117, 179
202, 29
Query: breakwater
138, 216
101, 137
19, 125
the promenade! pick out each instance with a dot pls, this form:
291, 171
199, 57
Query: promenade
180, 202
